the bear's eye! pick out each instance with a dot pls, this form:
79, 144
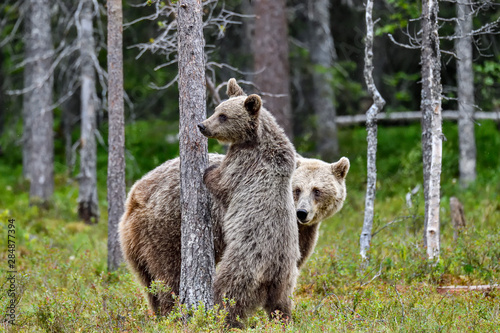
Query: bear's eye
316, 192
296, 192
222, 118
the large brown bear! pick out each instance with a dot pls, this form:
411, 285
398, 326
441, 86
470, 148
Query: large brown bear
150, 228
253, 186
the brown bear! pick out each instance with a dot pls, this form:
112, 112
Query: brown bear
319, 191
150, 229
253, 186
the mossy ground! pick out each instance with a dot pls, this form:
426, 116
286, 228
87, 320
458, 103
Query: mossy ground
62, 284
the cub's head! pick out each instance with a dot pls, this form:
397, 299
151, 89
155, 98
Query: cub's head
318, 189
234, 120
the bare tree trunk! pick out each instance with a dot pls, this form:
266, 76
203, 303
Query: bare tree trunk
88, 208
116, 139
271, 59
371, 127
323, 98
69, 119
465, 83
197, 249
431, 124
38, 150
457, 217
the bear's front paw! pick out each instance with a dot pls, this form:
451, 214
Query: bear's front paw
209, 174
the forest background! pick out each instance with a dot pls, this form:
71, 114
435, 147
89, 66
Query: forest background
62, 280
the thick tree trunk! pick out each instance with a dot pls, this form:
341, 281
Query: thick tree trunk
431, 124
465, 83
323, 98
38, 149
88, 208
116, 136
270, 53
197, 249
371, 128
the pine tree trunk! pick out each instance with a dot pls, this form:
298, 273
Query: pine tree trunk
270, 53
431, 124
197, 249
323, 98
38, 149
116, 135
371, 128
88, 208
465, 83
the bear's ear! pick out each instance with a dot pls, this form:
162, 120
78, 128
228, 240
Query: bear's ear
233, 89
298, 158
341, 167
253, 104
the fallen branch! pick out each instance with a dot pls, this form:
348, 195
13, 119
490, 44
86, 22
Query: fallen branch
412, 116
456, 289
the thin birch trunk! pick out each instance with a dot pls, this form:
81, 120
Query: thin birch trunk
116, 136
270, 53
88, 208
431, 124
197, 248
371, 127
38, 152
322, 52
465, 83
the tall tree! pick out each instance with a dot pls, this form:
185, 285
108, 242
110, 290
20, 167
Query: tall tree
371, 128
465, 83
88, 208
197, 249
323, 98
116, 135
38, 139
270, 54
431, 124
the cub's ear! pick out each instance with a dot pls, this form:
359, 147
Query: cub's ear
341, 167
233, 89
253, 104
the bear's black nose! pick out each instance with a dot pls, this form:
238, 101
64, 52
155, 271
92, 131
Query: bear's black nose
302, 214
201, 127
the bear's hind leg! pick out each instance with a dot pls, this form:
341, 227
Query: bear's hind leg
279, 303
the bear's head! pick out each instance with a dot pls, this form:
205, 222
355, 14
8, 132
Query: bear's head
319, 189
234, 120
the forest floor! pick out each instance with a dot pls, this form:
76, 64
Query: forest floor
62, 285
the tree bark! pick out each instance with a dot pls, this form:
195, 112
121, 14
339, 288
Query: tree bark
323, 98
197, 249
116, 138
38, 148
457, 217
270, 53
371, 127
88, 208
465, 83
431, 124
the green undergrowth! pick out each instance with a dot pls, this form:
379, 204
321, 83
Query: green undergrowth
62, 284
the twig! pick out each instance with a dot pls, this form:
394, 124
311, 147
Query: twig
402, 305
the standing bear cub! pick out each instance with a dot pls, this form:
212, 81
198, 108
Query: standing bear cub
253, 186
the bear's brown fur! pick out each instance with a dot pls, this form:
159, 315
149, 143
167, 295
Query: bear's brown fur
319, 191
151, 223
150, 228
253, 186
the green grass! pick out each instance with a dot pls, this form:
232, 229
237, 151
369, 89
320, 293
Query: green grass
63, 285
